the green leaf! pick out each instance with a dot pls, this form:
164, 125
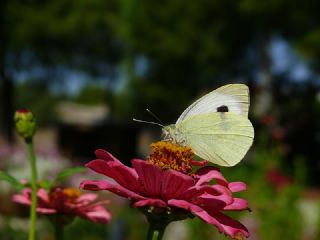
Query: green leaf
10, 179
46, 184
69, 172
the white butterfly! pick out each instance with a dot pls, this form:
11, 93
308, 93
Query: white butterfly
216, 126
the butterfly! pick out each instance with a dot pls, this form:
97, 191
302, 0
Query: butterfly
216, 126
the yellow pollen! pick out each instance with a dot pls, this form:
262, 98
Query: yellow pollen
72, 192
167, 155
68, 194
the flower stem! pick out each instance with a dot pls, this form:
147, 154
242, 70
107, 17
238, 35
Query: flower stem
58, 231
155, 234
33, 213
160, 234
150, 233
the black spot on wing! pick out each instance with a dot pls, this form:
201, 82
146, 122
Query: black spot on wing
223, 108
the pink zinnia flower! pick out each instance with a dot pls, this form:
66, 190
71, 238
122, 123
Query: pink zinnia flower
166, 195
66, 202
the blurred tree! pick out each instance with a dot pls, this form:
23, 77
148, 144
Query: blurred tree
307, 22
286, 18
6, 108
190, 46
37, 97
187, 44
49, 37
93, 94
62, 33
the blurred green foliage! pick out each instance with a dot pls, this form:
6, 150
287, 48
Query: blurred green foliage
37, 97
8, 232
188, 46
62, 32
93, 94
82, 229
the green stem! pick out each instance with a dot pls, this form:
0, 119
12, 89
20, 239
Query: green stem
33, 213
150, 233
154, 234
58, 231
160, 234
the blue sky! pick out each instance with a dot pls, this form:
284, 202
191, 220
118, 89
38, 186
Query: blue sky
285, 59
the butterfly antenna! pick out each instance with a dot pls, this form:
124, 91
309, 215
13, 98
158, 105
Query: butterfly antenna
154, 123
155, 116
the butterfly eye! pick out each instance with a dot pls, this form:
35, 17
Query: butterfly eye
222, 108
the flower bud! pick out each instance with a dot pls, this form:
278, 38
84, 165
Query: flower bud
25, 123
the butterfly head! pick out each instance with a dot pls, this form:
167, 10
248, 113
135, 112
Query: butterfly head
172, 134
167, 132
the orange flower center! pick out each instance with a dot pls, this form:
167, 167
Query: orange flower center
72, 193
64, 194
167, 155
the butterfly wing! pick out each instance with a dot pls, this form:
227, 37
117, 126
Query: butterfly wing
221, 138
235, 97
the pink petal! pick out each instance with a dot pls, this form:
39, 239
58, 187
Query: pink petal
17, 198
238, 204
192, 192
104, 185
104, 155
42, 194
87, 197
46, 210
196, 210
122, 174
150, 202
230, 226
27, 192
237, 186
96, 214
85, 200
208, 201
217, 191
43, 198
90, 205
25, 197
174, 184
208, 174
224, 223
220, 193
150, 177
